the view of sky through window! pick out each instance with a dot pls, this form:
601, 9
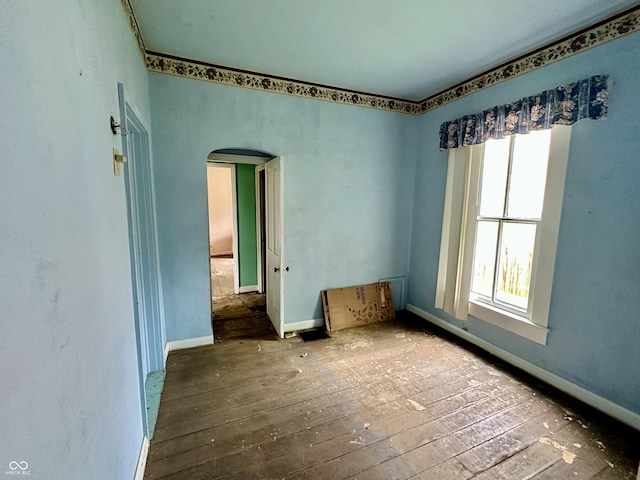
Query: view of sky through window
512, 189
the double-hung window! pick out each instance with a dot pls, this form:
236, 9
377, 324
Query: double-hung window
500, 229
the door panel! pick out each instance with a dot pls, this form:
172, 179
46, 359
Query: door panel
143, 253
144, 247
273, 195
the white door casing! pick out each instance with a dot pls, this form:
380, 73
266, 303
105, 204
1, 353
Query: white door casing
146, 280
261, 225
275, 272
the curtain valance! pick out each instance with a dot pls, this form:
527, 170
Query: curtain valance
563, 105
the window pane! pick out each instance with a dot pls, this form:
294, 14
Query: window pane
494, 177
484, 259
528, 174
516, 255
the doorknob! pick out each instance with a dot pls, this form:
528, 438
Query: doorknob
276, 269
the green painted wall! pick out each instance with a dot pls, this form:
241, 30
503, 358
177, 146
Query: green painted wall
247, 238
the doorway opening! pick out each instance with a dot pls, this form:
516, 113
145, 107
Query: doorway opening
237, 244
223, 229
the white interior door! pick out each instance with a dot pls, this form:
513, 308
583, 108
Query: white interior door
273, 194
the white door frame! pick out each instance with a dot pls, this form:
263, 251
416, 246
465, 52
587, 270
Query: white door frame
146, 278
234, 227
260, 197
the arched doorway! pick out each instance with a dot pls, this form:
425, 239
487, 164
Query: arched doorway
239, 244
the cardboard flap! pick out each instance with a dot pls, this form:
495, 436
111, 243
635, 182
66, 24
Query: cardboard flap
359, 305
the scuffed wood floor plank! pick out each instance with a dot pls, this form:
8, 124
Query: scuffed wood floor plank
395, 400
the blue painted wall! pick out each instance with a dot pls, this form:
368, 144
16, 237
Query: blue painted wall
70, 401
348, 176
363, 190
594, 319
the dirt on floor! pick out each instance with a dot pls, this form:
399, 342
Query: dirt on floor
241, 316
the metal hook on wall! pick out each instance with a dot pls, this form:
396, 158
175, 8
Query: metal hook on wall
115, 126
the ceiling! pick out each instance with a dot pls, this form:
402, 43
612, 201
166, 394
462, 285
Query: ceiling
409, 49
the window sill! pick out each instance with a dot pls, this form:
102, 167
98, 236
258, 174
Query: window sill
508, 321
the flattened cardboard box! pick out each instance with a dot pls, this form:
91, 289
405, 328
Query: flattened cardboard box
355, 306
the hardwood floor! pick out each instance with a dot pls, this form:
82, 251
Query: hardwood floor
221, 277
241, 316
236, 316
393, 400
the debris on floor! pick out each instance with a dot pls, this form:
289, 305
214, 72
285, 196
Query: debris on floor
415, 405
567, 455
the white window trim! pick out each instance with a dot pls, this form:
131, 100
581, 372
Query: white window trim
458, 226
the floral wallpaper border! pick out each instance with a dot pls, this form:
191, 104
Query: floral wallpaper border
158, 62
619, 26
133, 23
611, 29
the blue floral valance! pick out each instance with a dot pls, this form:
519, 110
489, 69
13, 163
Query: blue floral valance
564, 105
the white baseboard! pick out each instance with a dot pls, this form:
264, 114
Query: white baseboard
596, 401
219, 254
303, 325
142, 459
187, 343
248, 289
